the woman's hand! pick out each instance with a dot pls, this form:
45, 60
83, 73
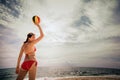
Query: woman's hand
37, 24
17, 70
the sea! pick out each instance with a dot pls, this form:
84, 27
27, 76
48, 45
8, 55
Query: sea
53, 72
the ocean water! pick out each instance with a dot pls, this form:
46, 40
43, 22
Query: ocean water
53, 72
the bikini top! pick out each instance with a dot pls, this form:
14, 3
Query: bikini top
32, 51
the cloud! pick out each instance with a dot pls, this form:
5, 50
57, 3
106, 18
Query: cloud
80, 32
78, 23
12, 7
93, 21
84, 20
9, 45
117, 13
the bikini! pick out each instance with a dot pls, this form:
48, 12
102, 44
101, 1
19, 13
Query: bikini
26, 65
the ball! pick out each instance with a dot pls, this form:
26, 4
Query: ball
36, 19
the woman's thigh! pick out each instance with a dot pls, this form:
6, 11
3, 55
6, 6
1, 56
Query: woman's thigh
21, 74
32, 71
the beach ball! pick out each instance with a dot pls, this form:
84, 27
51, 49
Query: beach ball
36, 19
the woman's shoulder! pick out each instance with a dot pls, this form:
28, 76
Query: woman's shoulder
23, 45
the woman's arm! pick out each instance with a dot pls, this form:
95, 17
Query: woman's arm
41, 34
19, 59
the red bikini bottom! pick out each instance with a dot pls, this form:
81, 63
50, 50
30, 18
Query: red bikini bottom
26, 65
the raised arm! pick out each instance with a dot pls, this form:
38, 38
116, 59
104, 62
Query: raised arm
19, 59
41, 34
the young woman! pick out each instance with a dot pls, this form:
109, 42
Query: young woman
30, 63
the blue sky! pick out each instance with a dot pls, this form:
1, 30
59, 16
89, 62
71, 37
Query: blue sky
82, 33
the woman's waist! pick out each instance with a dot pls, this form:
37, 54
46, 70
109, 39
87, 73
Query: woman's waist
30, 55
30, 59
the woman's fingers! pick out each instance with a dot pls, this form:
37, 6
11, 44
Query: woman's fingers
17, 71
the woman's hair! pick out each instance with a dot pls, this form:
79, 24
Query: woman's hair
29, 35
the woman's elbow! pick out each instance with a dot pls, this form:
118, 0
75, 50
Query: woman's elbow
42, 35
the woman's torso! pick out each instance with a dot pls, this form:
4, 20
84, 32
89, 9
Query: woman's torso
29, 50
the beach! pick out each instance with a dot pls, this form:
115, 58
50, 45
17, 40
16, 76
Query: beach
63, 73
91, 78
83, 78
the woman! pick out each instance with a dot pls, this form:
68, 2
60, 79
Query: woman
30, 63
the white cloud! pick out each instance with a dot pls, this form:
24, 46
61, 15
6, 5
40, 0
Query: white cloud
75, 31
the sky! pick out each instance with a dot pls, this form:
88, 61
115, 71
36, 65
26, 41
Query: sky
83, 33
